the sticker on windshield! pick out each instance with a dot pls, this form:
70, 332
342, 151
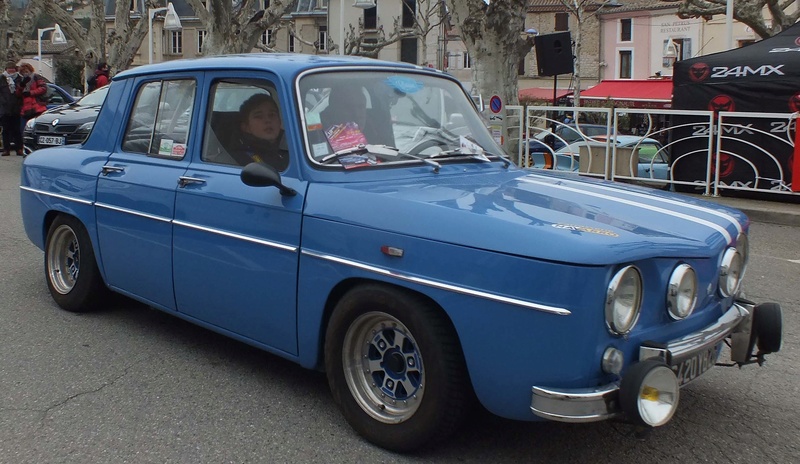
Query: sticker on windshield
404, 84
313, 121
467, 145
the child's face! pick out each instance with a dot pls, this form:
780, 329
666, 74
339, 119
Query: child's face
263, 122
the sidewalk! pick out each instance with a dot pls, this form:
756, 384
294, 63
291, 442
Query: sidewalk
773, 212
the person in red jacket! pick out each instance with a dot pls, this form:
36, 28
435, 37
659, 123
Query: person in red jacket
33, 90
101, 78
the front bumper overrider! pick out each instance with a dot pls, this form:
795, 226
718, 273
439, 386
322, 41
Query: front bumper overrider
603, 402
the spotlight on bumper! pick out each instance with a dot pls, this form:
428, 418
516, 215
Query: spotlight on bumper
649, 393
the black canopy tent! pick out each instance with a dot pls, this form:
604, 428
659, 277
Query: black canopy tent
761, 77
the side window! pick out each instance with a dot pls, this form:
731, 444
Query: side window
244, 125
160, 119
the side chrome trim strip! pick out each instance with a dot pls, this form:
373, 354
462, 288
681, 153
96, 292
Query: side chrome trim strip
135, 213
696, 220
439, 285
246, 238
56, 195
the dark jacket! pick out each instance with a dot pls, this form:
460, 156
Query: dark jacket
250, 149
10, 103
33, 91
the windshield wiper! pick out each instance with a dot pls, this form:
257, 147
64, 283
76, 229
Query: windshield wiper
484, 156
384, 150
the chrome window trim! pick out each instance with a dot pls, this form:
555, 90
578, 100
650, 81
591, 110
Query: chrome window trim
246, 238
56, 195
439, 285
132, 212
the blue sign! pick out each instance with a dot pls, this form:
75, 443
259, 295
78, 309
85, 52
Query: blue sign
495, 104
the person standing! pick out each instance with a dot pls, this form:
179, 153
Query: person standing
33, 90
10, 109
101, 77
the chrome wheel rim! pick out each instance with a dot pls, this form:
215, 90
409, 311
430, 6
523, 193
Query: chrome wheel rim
383, 367
63, 259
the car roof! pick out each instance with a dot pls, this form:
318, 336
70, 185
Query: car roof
281, 63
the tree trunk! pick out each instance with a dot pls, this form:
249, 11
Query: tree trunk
237, 29
493, 35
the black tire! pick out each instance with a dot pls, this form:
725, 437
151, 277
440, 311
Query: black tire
70, 266
767, 331
389, 393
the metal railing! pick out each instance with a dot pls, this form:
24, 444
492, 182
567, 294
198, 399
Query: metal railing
681, 150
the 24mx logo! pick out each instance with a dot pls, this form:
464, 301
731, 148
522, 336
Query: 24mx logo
719, 72
703, 131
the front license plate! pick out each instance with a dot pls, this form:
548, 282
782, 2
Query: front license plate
50, 140
688, 369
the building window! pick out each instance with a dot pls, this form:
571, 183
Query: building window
408, 50
201, 38
521, 67
371, 18
466, 60
562, 22
175, 42
291, 43
322, 4
322, 38
684, 48
409, 12
625, 29
625, 64
267, 36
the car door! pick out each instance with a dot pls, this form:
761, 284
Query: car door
236, 247
136, 191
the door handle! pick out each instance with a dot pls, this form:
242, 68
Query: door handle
109, 169
183, 181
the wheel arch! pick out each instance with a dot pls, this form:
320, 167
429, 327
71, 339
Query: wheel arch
344, 286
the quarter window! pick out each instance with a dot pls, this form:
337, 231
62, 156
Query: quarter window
159, 122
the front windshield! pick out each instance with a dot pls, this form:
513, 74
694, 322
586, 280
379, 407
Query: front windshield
95, 98
415, 115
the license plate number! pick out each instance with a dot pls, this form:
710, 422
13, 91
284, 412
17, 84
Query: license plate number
690, 368
50, 140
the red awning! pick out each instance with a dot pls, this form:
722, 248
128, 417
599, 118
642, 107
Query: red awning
646, 93
542, 94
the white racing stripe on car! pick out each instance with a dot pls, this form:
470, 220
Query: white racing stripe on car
668, 201
676, 214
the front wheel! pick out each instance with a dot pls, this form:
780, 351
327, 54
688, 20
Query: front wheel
395, 368
70, 267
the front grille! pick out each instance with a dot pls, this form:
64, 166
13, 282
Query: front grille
60, 129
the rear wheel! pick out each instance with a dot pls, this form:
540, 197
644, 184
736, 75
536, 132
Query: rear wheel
395, 368
70, 266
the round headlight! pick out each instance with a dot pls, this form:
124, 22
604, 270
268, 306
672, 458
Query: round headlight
623, 300
730, 272
682, 292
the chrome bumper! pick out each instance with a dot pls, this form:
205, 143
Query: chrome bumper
601, 403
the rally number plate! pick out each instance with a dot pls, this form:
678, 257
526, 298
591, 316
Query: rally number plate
50, 140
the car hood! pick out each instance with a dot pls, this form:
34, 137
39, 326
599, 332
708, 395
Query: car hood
557, 217
70, 114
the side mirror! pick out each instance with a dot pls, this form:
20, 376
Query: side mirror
264, 175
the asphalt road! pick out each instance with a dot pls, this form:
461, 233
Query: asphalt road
131, 384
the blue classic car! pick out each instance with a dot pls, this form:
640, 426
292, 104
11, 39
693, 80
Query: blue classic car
355, 216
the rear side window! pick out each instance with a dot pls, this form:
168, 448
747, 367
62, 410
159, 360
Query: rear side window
160, 119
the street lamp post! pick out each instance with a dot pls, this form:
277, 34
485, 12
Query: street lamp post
57, 37
171, 23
